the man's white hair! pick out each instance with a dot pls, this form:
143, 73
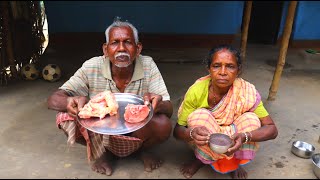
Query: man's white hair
118, 23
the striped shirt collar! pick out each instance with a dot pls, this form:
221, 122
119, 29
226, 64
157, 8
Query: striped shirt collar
137, 73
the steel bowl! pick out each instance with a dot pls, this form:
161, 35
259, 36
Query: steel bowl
302, 149
220, 143
316, 164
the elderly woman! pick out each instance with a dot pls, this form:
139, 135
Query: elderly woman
224, 103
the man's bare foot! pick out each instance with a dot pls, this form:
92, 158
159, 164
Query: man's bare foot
190, 168
102, 166
240, 173
150, 162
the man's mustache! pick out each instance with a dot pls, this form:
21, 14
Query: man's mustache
122, 54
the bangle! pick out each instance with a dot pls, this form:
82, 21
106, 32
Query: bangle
250, 136
246, 138
190, 133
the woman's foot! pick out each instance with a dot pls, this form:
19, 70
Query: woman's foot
190, 168
150, 162
102, 166
240, 173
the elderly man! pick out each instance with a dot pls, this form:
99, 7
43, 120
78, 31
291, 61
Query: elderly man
121, 69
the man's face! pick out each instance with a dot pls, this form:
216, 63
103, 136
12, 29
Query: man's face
121, 48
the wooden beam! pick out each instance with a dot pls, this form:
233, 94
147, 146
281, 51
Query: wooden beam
245, 27
283, 50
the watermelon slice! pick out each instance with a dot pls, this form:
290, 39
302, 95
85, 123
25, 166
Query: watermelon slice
136, 113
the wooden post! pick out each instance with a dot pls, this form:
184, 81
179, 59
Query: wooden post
14, 9
245, 27
283, 50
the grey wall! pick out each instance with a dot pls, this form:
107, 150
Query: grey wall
307, 22
183, 17
180, 17
306, 25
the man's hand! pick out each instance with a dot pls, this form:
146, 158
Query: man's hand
75, 104
152, 98
200, 135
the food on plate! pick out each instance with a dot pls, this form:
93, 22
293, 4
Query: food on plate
135, 113
100, 105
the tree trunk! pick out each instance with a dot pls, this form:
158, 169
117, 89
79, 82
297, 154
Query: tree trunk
8, 39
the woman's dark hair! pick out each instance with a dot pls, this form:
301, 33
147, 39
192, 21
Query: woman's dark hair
235, 52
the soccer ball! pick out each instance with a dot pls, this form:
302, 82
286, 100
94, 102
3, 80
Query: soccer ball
51, 72
29, 72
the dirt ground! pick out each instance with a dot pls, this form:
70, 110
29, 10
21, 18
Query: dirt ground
33, 147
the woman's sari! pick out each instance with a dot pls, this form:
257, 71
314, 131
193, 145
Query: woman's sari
233, 114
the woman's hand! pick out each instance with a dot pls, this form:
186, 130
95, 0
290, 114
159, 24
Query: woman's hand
152, 98
238, 141
75, 104
200, 135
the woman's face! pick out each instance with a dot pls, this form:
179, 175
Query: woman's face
223, 69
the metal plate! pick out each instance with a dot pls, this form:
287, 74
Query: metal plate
113, 125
